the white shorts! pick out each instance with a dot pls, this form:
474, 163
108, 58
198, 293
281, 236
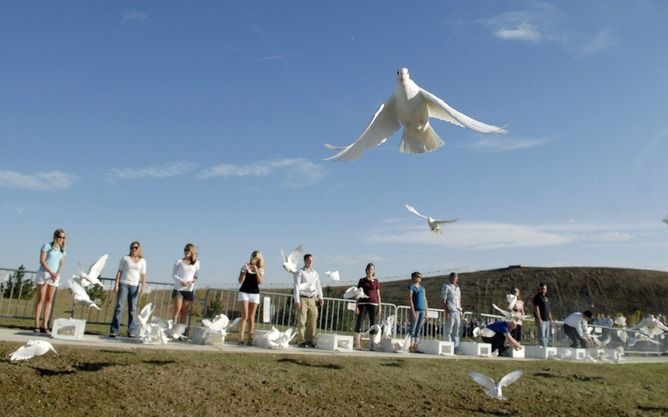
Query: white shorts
251, 298
43, 277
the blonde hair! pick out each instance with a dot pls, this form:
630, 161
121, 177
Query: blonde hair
260, 259
140, 254
192, 250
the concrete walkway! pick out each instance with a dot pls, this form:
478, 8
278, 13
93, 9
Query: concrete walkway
124, 343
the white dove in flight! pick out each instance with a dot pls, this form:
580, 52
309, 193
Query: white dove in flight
434, 225
354, 293
80, 295
30, 349
291, 260
92, 276
491, 388
411, 107
333, 275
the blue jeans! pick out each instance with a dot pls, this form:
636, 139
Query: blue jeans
131, 294
451, 328
416, 325
543, 332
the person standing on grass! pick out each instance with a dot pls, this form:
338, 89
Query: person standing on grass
184, 276
368, 305
131, 273
418, 302
251, 277
307, 294
51, 259
542, 315
452, 299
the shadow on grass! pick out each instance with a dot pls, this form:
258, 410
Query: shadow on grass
399, 363
79, 367
311, 365
159, 362
569, 377
662, 410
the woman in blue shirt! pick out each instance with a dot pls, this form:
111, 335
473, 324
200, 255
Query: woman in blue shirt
418, 303
47, 278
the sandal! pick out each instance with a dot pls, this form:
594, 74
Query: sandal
250, 340
36, 330
45, 331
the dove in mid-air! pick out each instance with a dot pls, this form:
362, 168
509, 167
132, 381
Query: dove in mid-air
291, 260
493, 389
92, 276
80, 295
333, 275
434, 225
30, 349
354, 293
411, 107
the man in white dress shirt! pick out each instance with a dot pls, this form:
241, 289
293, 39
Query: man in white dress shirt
575, 327
307, 295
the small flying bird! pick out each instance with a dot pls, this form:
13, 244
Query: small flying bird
492, 389
30, 349
434, 225
411, 107
354, 293
665, 220
80, 295
291, 260
92, 276
333, 275
483, 332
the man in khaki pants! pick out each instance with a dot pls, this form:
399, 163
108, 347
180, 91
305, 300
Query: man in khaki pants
306, 295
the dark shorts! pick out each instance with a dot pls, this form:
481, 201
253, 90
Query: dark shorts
186, 295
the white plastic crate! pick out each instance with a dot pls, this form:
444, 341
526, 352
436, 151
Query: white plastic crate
68, 329
475, 349
436, 347
539, 352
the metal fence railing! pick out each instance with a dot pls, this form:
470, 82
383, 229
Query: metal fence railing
17, 300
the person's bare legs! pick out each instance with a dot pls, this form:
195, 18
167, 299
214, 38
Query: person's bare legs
243, 307
252, 309
48, 300
39, 302
178, 303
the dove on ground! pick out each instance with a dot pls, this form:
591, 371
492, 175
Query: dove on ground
491, 388
92, 276
333, 275
80, 295
291, 261
354, 293
30, 349
411, 107
434, 225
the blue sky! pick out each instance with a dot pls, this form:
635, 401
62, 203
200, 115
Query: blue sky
176, 122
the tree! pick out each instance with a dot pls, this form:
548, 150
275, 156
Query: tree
17, 286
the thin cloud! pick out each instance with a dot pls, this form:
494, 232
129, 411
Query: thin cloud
544, 23
271, 58
39, 181
490, 235
174, 169
133, 16
505, 144
295, 172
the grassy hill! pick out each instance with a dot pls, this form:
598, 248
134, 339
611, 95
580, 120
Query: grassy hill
604, 290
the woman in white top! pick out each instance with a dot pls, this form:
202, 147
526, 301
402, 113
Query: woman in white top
48, 275
517, 311
131, 272
184, 275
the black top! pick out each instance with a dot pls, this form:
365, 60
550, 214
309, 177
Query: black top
543, 304
250, 284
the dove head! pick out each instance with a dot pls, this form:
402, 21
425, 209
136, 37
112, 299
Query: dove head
403, 75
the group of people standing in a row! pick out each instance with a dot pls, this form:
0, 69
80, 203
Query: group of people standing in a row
129, 283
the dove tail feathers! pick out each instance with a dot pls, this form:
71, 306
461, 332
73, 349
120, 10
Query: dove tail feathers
420, 141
